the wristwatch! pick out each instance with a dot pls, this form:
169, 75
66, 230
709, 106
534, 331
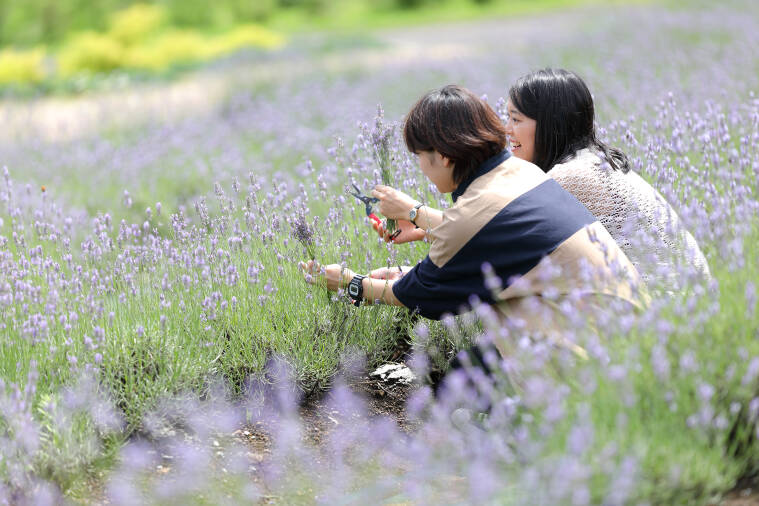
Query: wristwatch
412, 214
356, 289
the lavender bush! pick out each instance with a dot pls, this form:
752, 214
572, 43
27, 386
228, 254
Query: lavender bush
158, 263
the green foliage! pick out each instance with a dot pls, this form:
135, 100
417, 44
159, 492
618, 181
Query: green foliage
246, 35
312, 6
136, 23
409, 4
34, 21
90, 51
51, 21
30, 22
22, 66
173, 46
70, 442
155, 36
138, 39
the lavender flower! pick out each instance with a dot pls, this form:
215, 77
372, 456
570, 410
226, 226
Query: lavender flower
151, 307
304, 234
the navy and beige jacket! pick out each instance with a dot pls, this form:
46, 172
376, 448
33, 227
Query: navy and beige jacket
537, 237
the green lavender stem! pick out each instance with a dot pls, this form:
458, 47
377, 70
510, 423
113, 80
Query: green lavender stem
382, 156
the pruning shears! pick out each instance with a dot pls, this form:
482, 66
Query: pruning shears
368, 201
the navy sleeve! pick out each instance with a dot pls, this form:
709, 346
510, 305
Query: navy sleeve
512, 242
434, 291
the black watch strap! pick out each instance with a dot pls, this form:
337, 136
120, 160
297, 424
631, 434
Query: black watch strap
356, 289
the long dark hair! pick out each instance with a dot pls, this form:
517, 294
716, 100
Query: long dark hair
457, 124
562, 106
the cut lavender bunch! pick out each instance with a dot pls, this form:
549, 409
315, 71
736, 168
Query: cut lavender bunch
381, 135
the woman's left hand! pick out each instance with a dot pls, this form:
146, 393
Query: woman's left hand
332, 276
393, 204
389, 273
405, 232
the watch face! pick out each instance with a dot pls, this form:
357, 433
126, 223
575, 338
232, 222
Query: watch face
412, 214
353, 290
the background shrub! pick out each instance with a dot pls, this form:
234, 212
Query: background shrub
136, 23
138, 38
90, 51
22, 66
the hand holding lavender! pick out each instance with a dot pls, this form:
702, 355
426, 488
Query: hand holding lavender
333, 276
381, 135
393, 204
304, 234
405, 232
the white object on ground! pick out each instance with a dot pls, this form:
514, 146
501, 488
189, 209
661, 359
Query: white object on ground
395, 372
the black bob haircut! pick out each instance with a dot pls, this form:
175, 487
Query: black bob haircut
457, 124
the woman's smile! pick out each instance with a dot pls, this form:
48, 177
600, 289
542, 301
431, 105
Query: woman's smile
515, 145
520, 130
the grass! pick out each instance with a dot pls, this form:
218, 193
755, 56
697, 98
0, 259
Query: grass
146, 359
192, 347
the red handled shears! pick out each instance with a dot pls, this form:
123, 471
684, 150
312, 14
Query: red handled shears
368, 201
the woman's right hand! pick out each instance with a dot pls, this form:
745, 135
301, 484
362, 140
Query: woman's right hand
408, 232
393, 204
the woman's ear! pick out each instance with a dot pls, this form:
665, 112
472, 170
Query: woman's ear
447, 162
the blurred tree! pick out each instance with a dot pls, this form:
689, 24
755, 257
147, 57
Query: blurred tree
409, 4
310, 5
190, 12
32, 21
220, 13
253, 10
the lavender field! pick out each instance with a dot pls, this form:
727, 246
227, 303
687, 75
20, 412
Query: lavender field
151, 309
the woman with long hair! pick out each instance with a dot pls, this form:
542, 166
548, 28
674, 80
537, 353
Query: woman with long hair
551, 123
513, 238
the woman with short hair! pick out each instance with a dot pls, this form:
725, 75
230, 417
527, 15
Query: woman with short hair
540, 246
551, 123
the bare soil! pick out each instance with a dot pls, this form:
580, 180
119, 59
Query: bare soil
745, 493
383, 400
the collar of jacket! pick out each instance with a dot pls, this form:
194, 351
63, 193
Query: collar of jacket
485, 167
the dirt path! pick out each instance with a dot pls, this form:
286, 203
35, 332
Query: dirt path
57, 119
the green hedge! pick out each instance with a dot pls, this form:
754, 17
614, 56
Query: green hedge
137, 38
30, 22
